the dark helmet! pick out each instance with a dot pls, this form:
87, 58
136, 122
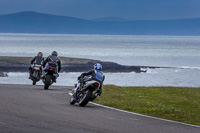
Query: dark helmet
40, 54
54, 53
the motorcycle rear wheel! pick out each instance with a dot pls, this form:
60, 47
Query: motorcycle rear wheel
34, 81
85, 99
47, 82
35, 77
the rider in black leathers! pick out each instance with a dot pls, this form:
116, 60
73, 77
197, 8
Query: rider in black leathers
38, 60
52, 59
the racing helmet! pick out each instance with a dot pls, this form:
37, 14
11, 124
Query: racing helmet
98, 66
54, 53
40, 54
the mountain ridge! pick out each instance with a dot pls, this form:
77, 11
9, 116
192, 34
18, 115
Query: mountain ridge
34, 22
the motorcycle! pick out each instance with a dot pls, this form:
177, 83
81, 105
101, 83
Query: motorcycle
50, 76
85, 94
36, 73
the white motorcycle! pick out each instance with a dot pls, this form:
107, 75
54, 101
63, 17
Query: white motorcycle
87, 93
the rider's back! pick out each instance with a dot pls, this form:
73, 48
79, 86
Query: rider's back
38, 60
53, 59
95, 75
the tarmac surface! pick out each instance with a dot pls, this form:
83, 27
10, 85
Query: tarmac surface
31, 109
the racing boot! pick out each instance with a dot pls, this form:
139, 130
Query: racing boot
30, 73
99, 92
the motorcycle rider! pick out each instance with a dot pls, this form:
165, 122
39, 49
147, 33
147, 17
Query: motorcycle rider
38, 60
52, 59
96, 74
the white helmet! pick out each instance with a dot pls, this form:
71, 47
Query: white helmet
98, 66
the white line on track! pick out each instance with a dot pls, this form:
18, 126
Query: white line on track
141, 114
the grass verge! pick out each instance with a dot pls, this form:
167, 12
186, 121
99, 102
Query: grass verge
172, 103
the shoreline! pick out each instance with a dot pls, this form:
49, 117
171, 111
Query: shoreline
69, 64
153, 78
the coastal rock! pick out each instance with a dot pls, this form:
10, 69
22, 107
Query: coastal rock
21, 64
3, 74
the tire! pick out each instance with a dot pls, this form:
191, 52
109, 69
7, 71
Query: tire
35, 74
39, 76
34, 81
34, 77
93, 97
72, 102
85, 99
47, 82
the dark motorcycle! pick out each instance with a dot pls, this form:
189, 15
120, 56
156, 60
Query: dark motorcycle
36, 73
85, 94
49, 76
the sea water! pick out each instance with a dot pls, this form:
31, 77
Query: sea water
180, 52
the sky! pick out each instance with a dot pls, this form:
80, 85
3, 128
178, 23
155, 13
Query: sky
91, 9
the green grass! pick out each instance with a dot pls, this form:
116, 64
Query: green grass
179, 104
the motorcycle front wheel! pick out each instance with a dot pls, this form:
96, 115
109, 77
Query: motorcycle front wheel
72, 102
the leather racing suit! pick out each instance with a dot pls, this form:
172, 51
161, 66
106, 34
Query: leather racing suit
54, 60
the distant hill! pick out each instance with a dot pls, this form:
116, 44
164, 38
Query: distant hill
111, 19
33, 22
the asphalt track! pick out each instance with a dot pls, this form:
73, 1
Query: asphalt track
30, 109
